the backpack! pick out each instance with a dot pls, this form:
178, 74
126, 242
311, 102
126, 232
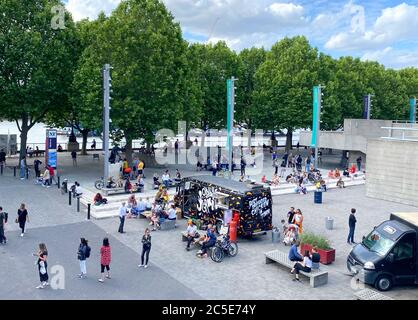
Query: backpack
88, 250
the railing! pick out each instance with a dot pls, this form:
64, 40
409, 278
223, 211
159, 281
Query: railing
403, 134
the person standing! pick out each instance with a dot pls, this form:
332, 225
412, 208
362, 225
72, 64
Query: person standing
105, 258
298, 220
22, 217
82, 254
93, 145
36, 165
307, 164
352, 226
74, 157
3, 222
146, 248
122, 214
2, 160
290, 215
243, 165
22, 168
358, 160
42, 264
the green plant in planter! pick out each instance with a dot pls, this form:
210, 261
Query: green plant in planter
315, 240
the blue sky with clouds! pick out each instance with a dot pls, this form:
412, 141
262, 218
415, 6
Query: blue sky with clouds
385, 31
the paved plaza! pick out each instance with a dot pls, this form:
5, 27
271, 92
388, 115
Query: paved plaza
173, 273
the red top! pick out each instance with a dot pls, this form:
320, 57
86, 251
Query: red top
105, 255
51, 171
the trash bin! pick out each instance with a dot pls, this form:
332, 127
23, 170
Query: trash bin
318, 197
329, 223
275, 235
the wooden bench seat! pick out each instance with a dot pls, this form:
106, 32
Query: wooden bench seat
367, 294
316, 277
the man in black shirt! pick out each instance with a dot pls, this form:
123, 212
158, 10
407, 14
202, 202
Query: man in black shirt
36, 165
3, 221
290, 215
2, 160
352, 225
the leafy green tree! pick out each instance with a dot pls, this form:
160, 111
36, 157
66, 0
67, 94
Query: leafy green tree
216, 64
145, 47
284, 86
249, 62
36, 62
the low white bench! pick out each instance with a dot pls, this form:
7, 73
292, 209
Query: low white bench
96, 156
106, 191
367, 294
168, 224
316, 277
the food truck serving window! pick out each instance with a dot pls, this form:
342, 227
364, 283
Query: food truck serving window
222, 200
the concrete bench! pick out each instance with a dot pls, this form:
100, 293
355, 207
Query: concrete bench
316, 277
168, 224
367, 294
96, 156
184, 234
106, 191
145, 215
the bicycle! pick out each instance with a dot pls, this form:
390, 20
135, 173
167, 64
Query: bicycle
224, 248
100, 184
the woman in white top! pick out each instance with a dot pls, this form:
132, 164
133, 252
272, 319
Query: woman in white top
305, 266
298, 220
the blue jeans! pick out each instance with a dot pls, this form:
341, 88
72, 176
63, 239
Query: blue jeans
351, 235
22, 172
166, 183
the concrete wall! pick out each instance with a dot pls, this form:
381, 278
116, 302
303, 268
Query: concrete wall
392, 170
354, 137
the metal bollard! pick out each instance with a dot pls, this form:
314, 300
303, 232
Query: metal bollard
69, 197
14, 171
27, 173
1, 169
59, 182
78, 204
88, 211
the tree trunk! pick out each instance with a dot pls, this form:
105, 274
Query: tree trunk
24, 129
85, 133
128, 150
289, 139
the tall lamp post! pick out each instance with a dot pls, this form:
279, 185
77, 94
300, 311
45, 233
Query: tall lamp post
316, 120
230, 86
107, 84
413, 110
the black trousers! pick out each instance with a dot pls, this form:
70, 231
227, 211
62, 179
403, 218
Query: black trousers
22, 226
2, 236
299, 267
145, 254
190, 240
122, 222
207, 245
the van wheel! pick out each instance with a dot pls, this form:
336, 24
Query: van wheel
383, 283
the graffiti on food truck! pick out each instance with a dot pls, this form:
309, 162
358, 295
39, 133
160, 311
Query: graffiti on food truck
260, 206
206, 200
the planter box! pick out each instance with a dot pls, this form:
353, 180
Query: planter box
327, 256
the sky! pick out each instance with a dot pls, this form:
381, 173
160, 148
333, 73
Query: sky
385, 31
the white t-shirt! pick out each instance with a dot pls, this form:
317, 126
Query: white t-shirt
172, 214
191, 230
165, 177
122, 212
307, 262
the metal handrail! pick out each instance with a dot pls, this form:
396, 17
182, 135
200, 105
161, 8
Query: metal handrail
403, 130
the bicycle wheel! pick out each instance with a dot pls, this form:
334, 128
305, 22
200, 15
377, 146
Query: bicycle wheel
99, 184
217, 254
233, 249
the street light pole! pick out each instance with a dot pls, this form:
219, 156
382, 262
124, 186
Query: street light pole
413, 110
316, 121
230, 83
106, 119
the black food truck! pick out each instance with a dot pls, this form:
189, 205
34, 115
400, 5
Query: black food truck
388, 255
215, 200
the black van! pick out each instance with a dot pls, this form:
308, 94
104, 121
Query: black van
209, 198
388, 255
